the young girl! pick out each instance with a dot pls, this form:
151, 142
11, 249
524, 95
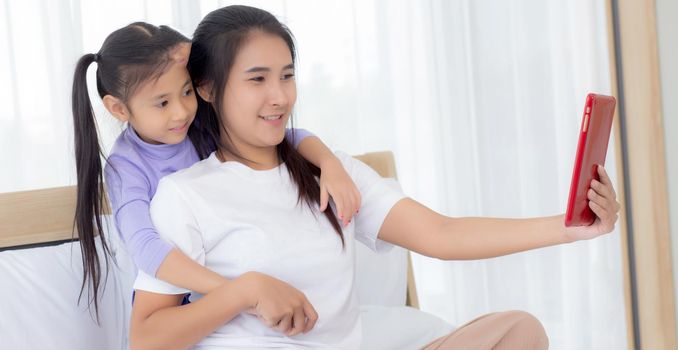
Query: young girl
293, 266
142, 79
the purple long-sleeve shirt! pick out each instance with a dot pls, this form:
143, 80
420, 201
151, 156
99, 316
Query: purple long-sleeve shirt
132, 173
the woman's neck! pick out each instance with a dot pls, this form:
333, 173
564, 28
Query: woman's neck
255, 158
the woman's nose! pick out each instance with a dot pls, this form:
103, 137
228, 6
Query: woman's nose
278, 95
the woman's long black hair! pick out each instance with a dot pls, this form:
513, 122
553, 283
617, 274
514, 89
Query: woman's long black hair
216, 42
128, 57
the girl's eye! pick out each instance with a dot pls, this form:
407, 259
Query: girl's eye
258, 79
162, 104
288, 76
188, 92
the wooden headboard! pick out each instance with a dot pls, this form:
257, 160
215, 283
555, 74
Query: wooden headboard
38, 216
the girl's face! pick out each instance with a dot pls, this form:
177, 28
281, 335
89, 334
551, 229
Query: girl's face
162, 109
260, 93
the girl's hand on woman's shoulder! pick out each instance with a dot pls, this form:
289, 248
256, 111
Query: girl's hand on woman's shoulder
603, 202
335, 182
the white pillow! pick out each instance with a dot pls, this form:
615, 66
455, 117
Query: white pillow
381, 279
39, 293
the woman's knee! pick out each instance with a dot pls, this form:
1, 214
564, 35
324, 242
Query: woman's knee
529, 329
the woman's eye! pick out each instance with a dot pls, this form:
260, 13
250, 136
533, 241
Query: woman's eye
258, 79
288, 76
163, 104
188, 92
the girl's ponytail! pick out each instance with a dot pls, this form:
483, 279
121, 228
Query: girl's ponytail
91, 199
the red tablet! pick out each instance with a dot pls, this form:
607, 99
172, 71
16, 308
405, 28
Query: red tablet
591, 149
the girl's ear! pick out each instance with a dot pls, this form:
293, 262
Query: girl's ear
116, 108
205, 92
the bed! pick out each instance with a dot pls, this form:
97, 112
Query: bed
40, 277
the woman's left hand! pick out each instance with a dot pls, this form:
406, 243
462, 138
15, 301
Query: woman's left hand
335, 182
603, 202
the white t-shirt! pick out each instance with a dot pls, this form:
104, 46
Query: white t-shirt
234, 219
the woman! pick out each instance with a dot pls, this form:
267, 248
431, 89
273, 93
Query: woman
290, 276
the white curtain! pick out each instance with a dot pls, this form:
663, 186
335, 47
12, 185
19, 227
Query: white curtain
479, 100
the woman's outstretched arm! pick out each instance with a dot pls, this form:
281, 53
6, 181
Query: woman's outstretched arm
411, 225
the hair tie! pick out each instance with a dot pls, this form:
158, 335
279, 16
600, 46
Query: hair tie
97, 57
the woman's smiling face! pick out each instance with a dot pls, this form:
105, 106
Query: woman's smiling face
260, 93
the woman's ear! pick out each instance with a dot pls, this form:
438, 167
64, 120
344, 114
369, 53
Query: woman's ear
205, 92
116, 108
